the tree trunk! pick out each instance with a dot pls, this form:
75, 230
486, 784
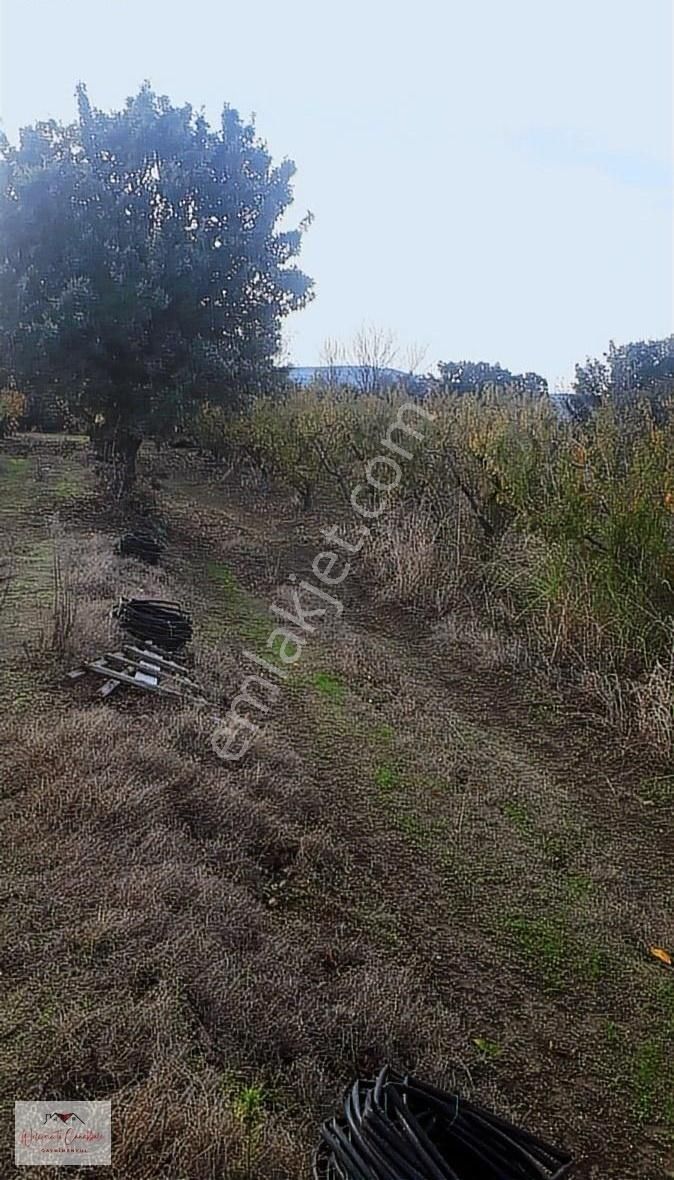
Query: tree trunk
101, 442
125, 447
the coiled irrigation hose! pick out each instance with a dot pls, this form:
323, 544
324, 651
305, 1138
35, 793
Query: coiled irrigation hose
398, 1128
163, 624
142, 544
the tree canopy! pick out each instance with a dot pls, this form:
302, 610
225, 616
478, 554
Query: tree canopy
477, 377
644, 368
141, 262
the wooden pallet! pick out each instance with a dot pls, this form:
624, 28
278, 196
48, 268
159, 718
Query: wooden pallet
144, 669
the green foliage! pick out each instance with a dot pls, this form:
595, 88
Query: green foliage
249, 1103
644, 368
461, 377
142, 265
602, 500
237, 612
305, 439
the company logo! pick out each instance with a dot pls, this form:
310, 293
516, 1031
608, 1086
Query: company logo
55, 1134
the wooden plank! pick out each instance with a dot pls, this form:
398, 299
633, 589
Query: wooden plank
76, 673
100, 669
142, 665
152, 665
108, 687
148, 653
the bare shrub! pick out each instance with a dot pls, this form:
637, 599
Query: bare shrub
64, 600
7, 567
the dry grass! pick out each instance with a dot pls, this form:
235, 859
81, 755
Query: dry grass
416, 859
162, 969
655, 707
492, 648
422, 556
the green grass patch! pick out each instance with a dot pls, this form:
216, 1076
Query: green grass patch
69, 486
13, 467
236, 610
644, 1063
554, 952
488, 1048
658, 790
519, 816
650, 1064
385, 777
220, 573
383, 733
330, 687
17, 486
578, 886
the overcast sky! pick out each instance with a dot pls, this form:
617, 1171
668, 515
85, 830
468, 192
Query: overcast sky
489, 178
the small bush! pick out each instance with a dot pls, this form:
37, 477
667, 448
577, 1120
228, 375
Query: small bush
12, 410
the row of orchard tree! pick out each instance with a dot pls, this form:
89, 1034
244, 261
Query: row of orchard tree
143, 273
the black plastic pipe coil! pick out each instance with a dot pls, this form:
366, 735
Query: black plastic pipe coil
164, 624
398, 1128
145, 545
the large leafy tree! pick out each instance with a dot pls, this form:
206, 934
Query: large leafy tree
142, 265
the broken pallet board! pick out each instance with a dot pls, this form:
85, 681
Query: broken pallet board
151, 662
145, 673
151, 653
102, 669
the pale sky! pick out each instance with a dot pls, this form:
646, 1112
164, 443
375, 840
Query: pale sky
490, 178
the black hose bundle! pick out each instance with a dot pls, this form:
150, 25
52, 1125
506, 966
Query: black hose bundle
164, 624
143, 544
398, 1128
